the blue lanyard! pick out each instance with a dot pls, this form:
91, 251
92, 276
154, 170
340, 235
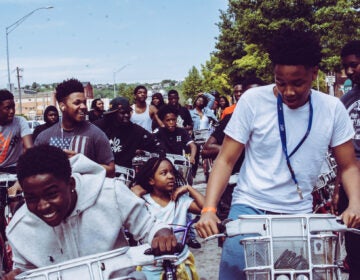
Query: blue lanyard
282, 131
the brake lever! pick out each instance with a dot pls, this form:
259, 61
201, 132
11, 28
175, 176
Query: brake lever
211, 237
222, 229
347, 229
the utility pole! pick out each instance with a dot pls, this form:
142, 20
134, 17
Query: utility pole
11, 28
330, 80
18, 80
114, 76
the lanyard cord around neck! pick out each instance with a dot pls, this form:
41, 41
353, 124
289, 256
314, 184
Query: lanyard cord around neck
282, 131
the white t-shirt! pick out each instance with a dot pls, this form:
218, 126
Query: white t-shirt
174, 213
264, 180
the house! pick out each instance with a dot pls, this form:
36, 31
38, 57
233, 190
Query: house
88, 90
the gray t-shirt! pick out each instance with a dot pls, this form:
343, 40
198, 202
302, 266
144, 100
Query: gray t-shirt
11, 145
86, 138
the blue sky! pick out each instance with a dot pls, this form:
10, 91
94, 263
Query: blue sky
150, 40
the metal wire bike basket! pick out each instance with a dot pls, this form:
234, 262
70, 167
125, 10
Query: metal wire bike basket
289, 247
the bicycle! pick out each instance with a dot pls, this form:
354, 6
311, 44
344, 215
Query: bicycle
8, 206
325, 186
116, 264
200, 138
289, 247
168, 264
183, 166
124, 174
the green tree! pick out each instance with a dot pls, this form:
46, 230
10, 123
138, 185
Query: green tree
247, 27
168, 82
215, 77
127, 91
35, 86
192, 84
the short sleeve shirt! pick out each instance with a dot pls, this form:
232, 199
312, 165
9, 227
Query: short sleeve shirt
86, 138
174, 142
11, 141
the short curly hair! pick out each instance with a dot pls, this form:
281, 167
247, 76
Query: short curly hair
43, 159
352, 47
6, 95
140, 87
166, 109
68, 87
295, 47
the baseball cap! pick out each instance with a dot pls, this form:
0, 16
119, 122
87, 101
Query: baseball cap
116, 102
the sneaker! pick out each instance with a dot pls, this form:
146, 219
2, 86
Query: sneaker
193, 243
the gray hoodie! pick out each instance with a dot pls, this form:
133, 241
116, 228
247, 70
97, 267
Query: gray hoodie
103, 207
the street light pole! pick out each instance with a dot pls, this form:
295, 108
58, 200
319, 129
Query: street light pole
11, 28
114, 75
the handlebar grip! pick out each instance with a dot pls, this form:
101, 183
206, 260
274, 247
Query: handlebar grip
178, 248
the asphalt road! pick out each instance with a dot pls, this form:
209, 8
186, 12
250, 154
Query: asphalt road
207, 258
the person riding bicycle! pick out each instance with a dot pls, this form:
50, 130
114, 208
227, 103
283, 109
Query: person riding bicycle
15, 134
184, 118
97, 110
350, 57
175, 140
143, 114
73, 133
126, 138
51, 117
169, 204
285, 129
73, 210
15, 138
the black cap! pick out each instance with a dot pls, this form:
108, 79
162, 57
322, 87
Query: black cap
116, 102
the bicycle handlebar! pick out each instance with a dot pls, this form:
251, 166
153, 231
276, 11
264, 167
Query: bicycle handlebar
259, 224
180, 245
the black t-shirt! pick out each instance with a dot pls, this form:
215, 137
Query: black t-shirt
93, 117
126, 139
173, 142
219, 135
184, 115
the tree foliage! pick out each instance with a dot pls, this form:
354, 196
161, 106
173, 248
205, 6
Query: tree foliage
214, 77
192, 84
127, 91
247, 27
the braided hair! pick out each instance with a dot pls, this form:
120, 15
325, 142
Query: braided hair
148, 170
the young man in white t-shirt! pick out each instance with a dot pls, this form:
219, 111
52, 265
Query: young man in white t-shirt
308, 121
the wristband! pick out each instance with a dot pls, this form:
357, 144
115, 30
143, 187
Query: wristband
208, 209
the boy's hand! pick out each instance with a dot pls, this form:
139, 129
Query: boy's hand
11, 275
207, 225
192, 160
138, 190
178, 192
164, 242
